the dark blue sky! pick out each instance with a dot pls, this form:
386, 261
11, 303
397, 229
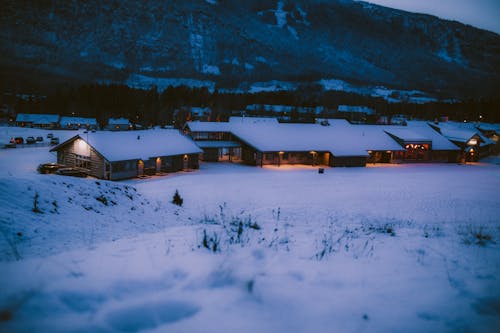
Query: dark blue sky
483, 14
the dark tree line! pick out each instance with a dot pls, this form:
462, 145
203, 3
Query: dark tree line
151, 107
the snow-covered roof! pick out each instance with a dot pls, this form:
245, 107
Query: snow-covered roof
489, 127
355, 108
118, 121
208, 126
340, 137
253, 120
407, 134
77, 120
461, 132
421, 130
131, 145
300, 138
37, 118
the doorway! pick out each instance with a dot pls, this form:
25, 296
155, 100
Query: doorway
140, 168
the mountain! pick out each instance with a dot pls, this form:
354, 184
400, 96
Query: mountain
233, 44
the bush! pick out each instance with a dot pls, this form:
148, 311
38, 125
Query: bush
210, 242
177, 199
35, 204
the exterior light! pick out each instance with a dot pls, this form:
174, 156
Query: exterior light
472, 142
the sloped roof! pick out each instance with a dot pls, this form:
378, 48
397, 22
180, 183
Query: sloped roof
253, 120
439, 142
300, 138
462, 132
208, 126
131, 145
37, 118
340, 137
118, 121
77, 120
407, 134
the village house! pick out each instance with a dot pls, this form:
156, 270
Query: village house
278, 144
473, 143
48, 121
118, 124
113, 156
78, 123
332, 142
421, 144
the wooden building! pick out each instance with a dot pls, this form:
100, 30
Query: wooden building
422, 144
114, 156
309, 144
216, 140
472, 142
118, 124
332, 142
48, 121
78, 123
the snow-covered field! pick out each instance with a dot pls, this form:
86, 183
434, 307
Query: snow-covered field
400, 248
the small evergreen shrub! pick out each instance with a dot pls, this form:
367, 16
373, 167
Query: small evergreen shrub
177, 199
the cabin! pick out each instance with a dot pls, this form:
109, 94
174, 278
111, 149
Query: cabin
118, 124
472, 142
78, 123
114, 156
48, 121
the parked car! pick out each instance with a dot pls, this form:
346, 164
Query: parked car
49, 167
39, 138
30, 140
54, 141
50, 135
19, 140
74, 172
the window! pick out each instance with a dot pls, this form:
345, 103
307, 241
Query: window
82, 161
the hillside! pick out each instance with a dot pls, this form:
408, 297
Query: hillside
235, 44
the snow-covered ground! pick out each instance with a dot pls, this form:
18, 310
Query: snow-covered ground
400, 248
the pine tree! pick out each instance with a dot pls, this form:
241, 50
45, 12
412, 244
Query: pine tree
177, 200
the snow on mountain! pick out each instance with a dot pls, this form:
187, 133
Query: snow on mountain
312, 40
146, 82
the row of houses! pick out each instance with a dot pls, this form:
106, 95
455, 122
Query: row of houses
54, 121
332, 142
265, 141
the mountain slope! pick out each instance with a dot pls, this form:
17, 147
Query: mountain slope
232, 43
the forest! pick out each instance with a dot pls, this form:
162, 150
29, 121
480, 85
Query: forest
171, 106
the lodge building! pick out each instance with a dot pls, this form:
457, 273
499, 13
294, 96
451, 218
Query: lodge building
121, 155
